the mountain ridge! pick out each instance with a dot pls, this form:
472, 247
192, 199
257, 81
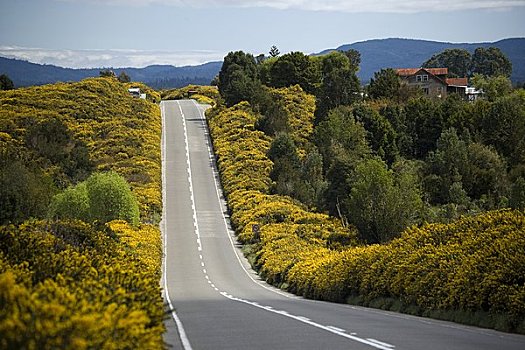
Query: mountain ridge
412, 53
375, 55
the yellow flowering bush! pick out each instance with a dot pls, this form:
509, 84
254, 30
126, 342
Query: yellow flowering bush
474, 266
68, 284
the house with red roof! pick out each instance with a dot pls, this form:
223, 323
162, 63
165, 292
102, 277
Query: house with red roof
434, 81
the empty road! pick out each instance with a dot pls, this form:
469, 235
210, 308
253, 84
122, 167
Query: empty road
220, 303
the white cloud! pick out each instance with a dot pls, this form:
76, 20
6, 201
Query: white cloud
109, 58
352, 6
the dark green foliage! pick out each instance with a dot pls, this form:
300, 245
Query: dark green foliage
274, 51
123, 77
517, 195
107, 73
286, 164
503, 126
491, 62
424, 125
340, 85
381, 136
238, 78
56, 145
295, 68
6, 83
458, 62
385, 84
24, 192
354, 57
460, 171
380, 205
447, 167
342, 144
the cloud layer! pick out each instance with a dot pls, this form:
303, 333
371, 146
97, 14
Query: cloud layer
109, 58
352, 6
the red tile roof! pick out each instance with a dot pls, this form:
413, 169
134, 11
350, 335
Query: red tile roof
457, 81
405, 72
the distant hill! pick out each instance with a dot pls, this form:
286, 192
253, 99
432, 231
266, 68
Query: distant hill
24, 73
409, 53
375, 54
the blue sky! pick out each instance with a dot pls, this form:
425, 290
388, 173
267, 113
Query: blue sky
96, 33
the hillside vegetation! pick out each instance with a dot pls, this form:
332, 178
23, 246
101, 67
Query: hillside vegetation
94, 282
396, 200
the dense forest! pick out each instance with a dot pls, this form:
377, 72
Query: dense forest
424, 197
80, 199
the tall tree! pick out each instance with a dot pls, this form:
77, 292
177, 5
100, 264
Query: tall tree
123, 77
6, 83
339, 86
381, 136
295, 68
458, 62
354, 57
381, 203
238, 78
274, 51
107, 73
491, 62
385, 84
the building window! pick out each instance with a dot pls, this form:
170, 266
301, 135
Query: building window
421, 78
426, 90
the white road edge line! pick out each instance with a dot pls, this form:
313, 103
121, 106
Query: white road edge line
180, 328
215, 176
372, 342
331, 329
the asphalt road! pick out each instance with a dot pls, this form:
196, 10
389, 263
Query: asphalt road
220, 303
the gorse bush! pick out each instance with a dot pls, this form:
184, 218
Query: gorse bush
64, 132
85, 151
103, 197
65, 285
473, 266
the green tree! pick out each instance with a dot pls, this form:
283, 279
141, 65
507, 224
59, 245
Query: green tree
274, 51
493, 87
491, 62
503, 127
103, 197
385, 84
486, 176
342, 143
123, 77
25, 192
381, 135
6, 83
312, 185
354, 57
424, 123
238, 78
286, 165
110, 198
339, 86
447, 167
72, 203
458, 62
295, 68
52, 140
380, 205
107, 73
517, 195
